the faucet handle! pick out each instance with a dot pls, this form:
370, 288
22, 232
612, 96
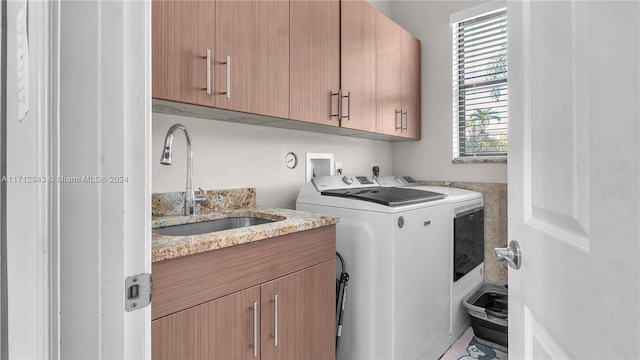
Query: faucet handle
201, 198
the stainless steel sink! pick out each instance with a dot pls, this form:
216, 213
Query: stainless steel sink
210, 226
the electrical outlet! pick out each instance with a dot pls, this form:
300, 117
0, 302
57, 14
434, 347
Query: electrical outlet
338, 168
375, 169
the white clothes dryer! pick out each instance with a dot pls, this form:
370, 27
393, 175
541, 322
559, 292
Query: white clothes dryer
466, 244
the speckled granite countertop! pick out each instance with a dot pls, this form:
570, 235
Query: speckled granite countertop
287, 222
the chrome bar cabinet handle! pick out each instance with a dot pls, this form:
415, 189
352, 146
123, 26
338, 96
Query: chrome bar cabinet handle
208, 72
406, 120
348, 106
255, 330
339, 95
395, 118
275, 321
228, 66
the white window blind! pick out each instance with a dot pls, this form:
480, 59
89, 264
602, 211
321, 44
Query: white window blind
480, 85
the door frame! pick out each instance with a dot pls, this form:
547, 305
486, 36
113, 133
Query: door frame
100, 125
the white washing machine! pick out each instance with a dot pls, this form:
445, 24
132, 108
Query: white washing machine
395, 242
466, 244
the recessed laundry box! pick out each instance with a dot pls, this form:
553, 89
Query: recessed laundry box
488, 310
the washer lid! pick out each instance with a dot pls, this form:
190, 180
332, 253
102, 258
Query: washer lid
387, 196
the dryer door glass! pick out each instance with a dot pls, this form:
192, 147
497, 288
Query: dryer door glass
468, 242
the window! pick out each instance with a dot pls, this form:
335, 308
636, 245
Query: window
480, 82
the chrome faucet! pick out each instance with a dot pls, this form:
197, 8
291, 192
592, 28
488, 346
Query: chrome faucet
190, 200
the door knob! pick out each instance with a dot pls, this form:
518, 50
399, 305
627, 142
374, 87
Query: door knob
511, 254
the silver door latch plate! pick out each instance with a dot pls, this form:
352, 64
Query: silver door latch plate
137, 291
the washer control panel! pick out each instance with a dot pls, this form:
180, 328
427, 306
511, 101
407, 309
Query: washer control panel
343, 182
393, 181
365, 180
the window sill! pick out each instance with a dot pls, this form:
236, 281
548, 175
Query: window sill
481, 160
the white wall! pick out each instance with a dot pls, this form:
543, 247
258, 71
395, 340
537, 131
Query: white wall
430, 158
230, 155
384, 6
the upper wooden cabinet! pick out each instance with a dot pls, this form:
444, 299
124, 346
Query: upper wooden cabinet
192, 41
389, 81
289, 60
252, 56
411, 85
182, 34
358, 64
398, 80
315, 61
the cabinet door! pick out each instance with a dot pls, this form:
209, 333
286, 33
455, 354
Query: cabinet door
315, 61
305, 315
219, 329
388, 76
254, 36
398, 80
182, 335
358, 64
411, 85
182, 31
231, 325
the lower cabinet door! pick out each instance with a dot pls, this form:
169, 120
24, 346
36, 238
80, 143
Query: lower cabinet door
235, 325
182, 335
298, 315
225, 328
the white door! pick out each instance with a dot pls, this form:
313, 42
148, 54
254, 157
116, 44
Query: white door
100, 143
574, 179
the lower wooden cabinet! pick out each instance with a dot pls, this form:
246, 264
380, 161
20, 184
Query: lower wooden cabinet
219, 329
304, 324
287, 315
